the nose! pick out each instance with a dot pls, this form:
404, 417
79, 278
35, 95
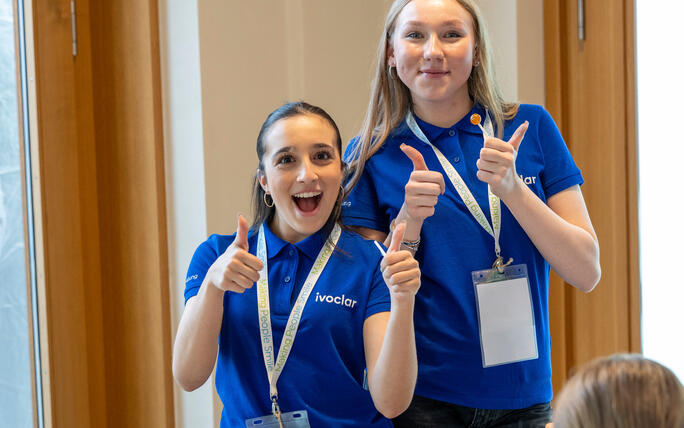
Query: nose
307, 172
433, 48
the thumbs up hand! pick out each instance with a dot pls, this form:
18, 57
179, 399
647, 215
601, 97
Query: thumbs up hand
236, 269
399, 268
423, 188
496, 165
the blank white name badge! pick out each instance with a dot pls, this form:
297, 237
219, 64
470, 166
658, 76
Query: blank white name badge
297, 419
506, 315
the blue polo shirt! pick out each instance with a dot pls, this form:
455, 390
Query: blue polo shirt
324, 373
454, 244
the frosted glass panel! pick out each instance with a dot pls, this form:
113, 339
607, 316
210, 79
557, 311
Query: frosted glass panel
15, 367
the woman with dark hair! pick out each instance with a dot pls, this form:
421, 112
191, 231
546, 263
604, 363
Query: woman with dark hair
330, 312
486, 214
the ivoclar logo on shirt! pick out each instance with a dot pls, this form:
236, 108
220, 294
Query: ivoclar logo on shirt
342, 300
190, 278
528, 180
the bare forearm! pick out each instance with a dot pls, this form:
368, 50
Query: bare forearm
196, 346
395, 372
572, 251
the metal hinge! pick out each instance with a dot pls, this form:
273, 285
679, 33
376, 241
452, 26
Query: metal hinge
580, 20
74, 40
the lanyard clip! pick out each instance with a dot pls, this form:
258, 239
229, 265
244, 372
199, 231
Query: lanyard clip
499, 264
275, 409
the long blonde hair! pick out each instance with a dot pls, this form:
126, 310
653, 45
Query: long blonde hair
390, 99
621, 391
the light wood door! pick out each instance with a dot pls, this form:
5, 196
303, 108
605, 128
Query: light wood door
101, 213
590, 91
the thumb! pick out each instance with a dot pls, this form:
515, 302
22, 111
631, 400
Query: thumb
518, 135
415, 156
397, 237
241, 235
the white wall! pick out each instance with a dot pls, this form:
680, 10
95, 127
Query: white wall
259, 54
660, 90
501, 20
184, 163
516, 30
530, 48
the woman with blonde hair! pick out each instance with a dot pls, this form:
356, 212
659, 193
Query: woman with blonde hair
441, 150
621, 391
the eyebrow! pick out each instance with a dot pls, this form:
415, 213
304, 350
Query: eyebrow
323, 145
445, 23
291, 148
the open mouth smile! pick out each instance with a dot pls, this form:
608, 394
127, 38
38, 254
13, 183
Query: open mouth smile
307, 202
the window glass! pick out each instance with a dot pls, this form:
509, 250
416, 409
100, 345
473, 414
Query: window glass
16, 407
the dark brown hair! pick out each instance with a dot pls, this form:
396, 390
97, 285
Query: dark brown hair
263, 213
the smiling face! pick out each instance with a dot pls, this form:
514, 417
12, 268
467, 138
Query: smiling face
302, 171
433, 48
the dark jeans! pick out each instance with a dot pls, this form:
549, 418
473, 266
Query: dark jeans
428, 413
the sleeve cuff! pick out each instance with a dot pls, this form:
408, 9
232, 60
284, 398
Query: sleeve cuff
350, 220
191, 291
377, 308
562, 184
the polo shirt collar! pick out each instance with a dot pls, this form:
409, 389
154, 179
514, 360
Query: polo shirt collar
309, 246
274, 245
433, 132
312, 245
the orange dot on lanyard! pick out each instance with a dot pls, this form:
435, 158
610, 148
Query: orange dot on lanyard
475, 119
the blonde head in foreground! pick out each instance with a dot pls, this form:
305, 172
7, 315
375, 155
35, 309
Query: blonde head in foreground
621, 391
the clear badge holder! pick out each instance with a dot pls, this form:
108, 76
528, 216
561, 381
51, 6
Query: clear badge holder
505, 315
296, 419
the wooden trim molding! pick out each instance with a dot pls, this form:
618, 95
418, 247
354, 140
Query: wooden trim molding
37, 213
634, 283
130, 164
553, 89
22, 141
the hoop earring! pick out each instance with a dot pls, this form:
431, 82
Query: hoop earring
389, 71
266, 201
